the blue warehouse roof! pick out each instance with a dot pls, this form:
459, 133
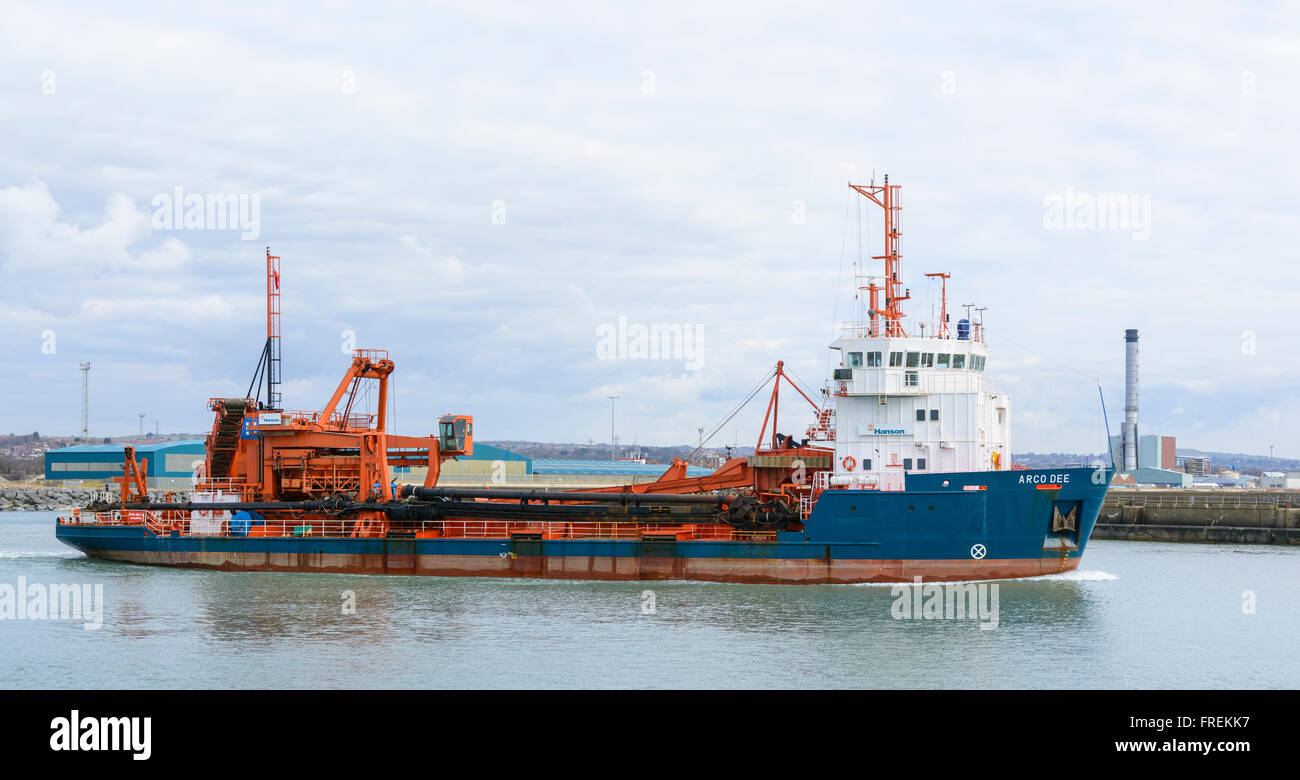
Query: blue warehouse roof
488, 452
104, 461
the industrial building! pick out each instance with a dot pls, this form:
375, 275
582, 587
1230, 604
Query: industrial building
478, 467
169, 465
1280, 480
491, 465
1153, 451
1197, 467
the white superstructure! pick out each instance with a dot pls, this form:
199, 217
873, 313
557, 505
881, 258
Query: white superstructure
916, 404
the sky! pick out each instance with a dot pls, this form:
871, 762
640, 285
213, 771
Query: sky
488, 189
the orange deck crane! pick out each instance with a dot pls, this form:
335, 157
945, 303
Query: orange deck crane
266, 453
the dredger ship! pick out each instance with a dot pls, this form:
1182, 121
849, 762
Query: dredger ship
905, 471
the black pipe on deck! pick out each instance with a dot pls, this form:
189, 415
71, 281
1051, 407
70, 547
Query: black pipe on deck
544, 496
326, 505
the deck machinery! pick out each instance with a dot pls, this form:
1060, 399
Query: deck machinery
273, 472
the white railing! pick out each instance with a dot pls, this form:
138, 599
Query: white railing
220, 485
863, 330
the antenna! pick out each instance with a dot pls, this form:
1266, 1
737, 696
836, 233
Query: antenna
942, 330
613, 440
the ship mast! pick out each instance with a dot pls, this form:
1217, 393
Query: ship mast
272, 330
886, 196
942, 330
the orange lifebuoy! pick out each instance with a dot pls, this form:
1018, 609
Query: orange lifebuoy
849, 463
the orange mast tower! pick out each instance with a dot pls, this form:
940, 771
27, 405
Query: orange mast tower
886, 196
272, 330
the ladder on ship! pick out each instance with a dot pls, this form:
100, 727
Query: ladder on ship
224, 439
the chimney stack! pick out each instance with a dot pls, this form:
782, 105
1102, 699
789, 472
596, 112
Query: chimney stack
1130, 432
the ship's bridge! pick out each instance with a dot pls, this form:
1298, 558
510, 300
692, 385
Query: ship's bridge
916, 404
909, 366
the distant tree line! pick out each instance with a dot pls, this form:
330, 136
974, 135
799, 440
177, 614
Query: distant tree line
16, 467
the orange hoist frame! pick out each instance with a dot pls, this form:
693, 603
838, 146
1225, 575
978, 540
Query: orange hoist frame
134, 487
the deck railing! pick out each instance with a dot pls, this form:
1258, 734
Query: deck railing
168, 523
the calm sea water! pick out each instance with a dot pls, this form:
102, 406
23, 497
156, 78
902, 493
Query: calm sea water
1135, 615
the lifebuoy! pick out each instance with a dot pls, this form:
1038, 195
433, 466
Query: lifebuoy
849, 463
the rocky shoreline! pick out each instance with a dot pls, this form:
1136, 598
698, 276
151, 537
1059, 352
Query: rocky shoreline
36, 499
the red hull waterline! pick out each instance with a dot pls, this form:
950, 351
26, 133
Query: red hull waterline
735, 570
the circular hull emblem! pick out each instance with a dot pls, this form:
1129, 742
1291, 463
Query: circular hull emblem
978, 551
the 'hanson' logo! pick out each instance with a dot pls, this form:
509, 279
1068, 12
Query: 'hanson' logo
886, 431
76, 733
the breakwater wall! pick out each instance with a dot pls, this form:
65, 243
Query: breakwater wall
46, 499
1236, 517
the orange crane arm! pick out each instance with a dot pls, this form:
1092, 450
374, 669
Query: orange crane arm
735, 473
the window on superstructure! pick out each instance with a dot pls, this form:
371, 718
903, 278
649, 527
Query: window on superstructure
873, 360
913, 358
907, 464
927, 360
920, 415
855, 360
943, 360
895, 359
934, 414
920, 464
958, 361
910, 379
866, 464
976, 363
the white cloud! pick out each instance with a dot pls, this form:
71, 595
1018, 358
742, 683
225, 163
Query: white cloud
673, 206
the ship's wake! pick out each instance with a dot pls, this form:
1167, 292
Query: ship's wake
1078, 575
1069, 576
12, 554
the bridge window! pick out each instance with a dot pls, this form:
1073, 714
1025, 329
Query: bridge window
913, 358
895, 359
873, 359
855, 360
943, 360
910, 379
958, 361
927, 360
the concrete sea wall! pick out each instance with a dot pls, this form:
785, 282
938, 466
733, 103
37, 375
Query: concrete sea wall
1237, 517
